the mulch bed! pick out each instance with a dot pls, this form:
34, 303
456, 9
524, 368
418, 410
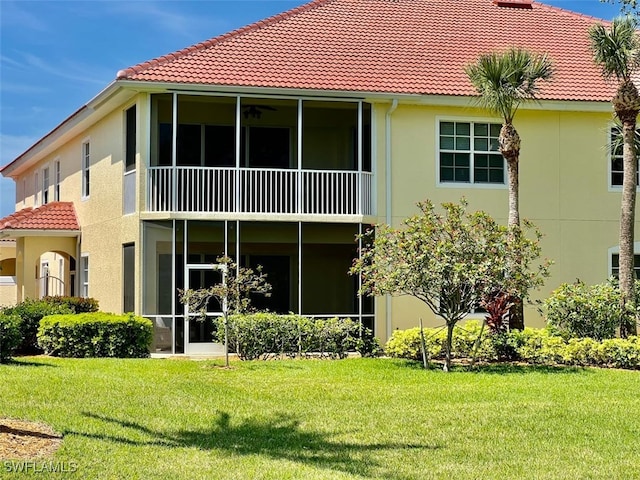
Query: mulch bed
23, 440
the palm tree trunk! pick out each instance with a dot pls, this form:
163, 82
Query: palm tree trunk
514, 194
516, 312
628, 324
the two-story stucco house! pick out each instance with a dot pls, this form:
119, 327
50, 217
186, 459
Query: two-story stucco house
277, 143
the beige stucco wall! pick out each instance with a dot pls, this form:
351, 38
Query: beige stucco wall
8, 286
563, 174
104, 228
563, 189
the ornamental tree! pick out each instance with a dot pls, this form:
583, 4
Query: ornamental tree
233, 293
452, 262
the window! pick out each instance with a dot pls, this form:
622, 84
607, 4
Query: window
84, 272
45, 185
86, 163
468, 153
56, 181
36, 189
128, 277
130, 141
615, 265
617, 170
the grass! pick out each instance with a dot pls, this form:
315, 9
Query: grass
349, 419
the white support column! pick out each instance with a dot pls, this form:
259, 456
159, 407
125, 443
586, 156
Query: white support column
359, 188
174, 152
236, 181
299, 188
360, 278
173, 286
299, 268
185, 261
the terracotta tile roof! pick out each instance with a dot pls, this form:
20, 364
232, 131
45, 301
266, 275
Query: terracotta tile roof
52, 216
399, 46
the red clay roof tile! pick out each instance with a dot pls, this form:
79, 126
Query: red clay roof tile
395, 47
52, 216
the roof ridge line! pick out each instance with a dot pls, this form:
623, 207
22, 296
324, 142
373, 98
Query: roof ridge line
219, 39
571, 12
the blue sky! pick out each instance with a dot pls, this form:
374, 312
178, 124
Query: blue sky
57, 55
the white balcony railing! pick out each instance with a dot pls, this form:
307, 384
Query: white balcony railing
259, 190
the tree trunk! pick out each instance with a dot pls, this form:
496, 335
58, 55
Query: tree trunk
628, 324
514, 194
516, 312
447, 355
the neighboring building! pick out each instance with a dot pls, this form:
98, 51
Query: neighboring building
279, 142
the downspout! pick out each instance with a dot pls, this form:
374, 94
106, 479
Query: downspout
387, 192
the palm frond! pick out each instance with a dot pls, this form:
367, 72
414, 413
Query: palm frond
504, 80
617, 49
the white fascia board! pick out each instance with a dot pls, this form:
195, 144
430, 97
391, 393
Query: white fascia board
19, 233
94, 110
373, 97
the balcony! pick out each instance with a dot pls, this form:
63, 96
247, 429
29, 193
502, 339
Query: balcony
231, 190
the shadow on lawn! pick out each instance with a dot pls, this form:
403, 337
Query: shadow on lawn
19, 362
279, 437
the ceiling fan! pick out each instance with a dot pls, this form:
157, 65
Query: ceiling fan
255, 111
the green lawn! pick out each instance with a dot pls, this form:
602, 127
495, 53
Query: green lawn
314, 419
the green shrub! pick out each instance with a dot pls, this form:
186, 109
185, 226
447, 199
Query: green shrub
406, 343
577, 310
95, 335
535, 346
30, 312
265, 335
619, 353
75, 304
9, 336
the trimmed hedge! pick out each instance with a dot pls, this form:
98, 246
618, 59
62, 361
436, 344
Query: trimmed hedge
9, 336
75, 304
30, 312
535, 346
577, 310
406, 343
95, 334
266, 335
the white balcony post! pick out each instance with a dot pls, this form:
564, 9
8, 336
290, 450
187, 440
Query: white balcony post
174, 154
236, 173
359, 188
299, 183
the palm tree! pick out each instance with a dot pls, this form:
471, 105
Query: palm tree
617, 51
503, 81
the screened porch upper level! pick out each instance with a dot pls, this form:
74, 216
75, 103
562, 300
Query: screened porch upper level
260, 156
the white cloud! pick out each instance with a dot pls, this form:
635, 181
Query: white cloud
13, 145
167, 20
13, 16
64, 68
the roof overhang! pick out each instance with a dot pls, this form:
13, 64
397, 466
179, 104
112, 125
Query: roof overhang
373, 97
97, 108
11, 233
120, 91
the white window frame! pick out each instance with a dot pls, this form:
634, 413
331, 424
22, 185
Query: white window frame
610, 158
46, 183
471, 183
84, 275
616, 251
36, 189
85, 178
57, 167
